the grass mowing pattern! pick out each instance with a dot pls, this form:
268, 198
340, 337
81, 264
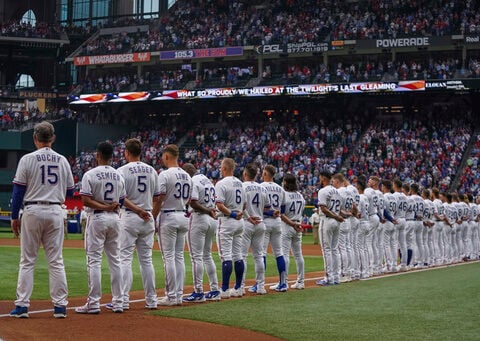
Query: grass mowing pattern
76, 268
441, 304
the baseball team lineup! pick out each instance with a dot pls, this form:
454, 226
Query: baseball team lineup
367, 226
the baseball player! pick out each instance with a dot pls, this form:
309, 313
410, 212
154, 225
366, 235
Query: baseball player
273, 228
291, 215
175, 191
256, 205
103, 192
450, 233
330, 202
373, 212
417, 223
354, 227
42, 180
401, 223
428, 223
200, 236
345, 232
439, 228
378, 237
363, 230
389, 231
314, 220
230, 201
138, 226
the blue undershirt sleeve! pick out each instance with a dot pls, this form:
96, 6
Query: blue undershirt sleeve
17, 199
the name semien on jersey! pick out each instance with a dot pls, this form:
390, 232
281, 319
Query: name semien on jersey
107, 176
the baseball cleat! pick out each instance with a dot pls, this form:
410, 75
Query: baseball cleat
253, 288
59, 312
150, 306
282, 287
261, 290
84, 309
19, 312
236, 292
225, 294
195, 298
165, 301
298, 285
274, 287
323, 283
125, 306
213, 295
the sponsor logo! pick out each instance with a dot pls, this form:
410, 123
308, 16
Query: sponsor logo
402, 42
268, 49
472, 39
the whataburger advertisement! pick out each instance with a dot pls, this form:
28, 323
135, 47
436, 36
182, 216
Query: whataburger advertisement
276, 90
112, 59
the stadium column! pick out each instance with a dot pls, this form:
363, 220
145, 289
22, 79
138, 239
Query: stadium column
199, 65
260, 67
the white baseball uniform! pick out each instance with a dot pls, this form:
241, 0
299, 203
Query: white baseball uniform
419, 251
354, 226
256, 200
291, 239
141, 185
389, 232
329, 232
428, 215
401, 228
450, 232
345, 234
103, 184
201, 233
273, 226
374, 221
229, 192
438, 233
363, 231
47, 176
176, 187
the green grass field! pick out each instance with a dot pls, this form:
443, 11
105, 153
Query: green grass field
75, 265
440, 304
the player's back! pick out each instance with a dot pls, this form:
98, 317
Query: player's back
104, 184
176, 184
276, 194
294, 205
141, 183
256, 198
203, 190
46, 175
229, 192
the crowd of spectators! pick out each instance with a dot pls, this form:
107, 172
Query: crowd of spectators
117, 82
426, 151
19, 119
154, 138
193, 24
412, 150
27, 30
470, 179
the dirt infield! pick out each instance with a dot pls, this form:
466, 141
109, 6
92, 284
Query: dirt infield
135, 323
